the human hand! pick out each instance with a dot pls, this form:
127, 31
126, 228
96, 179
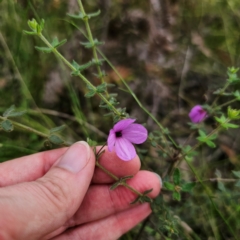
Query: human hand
59, 195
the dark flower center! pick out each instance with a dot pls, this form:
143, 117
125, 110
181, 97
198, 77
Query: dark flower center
118, 134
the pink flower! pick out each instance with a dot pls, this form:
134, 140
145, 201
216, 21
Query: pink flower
197, 114
122, 137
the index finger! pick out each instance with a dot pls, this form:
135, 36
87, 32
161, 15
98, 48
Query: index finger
29, 168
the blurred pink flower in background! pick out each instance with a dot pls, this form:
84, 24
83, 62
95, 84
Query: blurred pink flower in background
122, 137
197, 114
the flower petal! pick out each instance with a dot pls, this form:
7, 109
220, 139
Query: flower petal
124, 149
122, 124
135, 133
197, 114
111, 140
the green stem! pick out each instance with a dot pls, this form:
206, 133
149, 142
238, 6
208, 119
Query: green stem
89, 33
117, 179
29, 129
227, 103
220, 94
59, 55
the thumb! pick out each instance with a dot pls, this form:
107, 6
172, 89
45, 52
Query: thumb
33, 210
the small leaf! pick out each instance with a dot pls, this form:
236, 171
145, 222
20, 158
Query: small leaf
202, 133
55, 139
91, 142
169, 186
29, 33
90, 94
8, 111
102, 88
44, 49
94, 14
7, 126
221, 187
236, 173
176, 176
79, 16
176, 196
17, 114
57, 44
144, 199
219, 174
229, 125
153, 143
210, 144
135, 201
57, 129
114, 186
187, 187
237, 183
98, 62
147, 191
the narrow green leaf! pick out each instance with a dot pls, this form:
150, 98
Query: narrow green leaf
55, 139
230, 125
44, 49
59, 44
8, 111
153, 143
176, 176
57, 129
147, 191
87, 44
102, 88
17, 114
201, 139
85, 66
237, 183
29, 33
236, 173
114, 186
212, 137
202, 133
144, 199
90, 94
76, 16
169, 186
94, 14
187, 187
221, 187
219, 174
176, 196
7, 125
210, 144
55, 41
135, 201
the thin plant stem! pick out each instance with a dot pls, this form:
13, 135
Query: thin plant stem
220, 94
27, 128
85, 80
227, 103
117, 179
89, 33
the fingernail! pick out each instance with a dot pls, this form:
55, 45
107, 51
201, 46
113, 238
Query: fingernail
160, 179
75, 158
